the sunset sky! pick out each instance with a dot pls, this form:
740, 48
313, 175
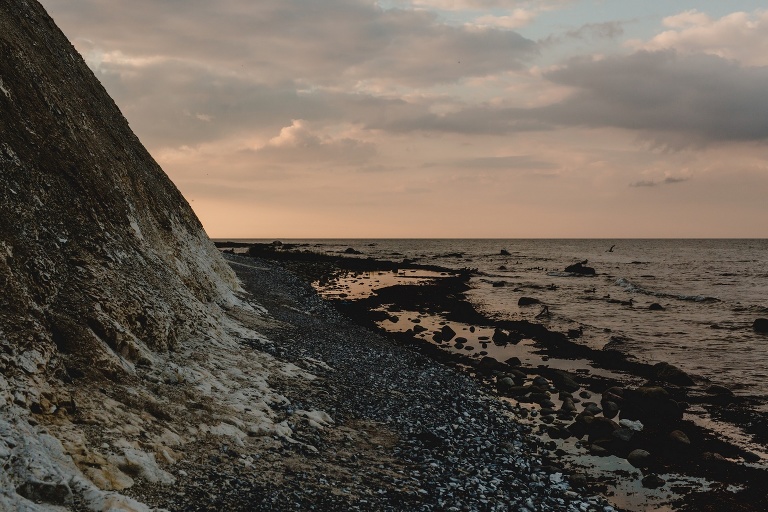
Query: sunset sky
445, 118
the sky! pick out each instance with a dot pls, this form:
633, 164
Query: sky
445, 118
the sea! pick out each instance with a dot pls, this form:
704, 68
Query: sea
711, 292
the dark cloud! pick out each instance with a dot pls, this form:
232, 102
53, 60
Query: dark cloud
605, 30
666, 181
671, 99
329, 42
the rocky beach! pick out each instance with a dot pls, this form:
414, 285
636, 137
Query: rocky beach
143, 368
588, 409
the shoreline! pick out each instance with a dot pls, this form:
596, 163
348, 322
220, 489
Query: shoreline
704, 454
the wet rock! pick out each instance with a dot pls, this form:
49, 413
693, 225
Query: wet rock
574, 333
637, 426
656, 307
580, 268
505, 385
504, 252
712, 457
678, 439
568, 405
651, 405
639, 458
418, 329
350, 250
500, 337
761, 325
592, 409
716, 389
623, 434
563, 380
610, 409
490, 364
669, 373
447, 333
527, 301
513, 361
653, 482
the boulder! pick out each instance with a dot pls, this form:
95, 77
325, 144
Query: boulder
669, 373
500, 337
679, 439
651, 405
499, 284
491, 364
527, 301
562, 380
656, 307
350, 250
610, 409
716, 389
581, 269
505, 384
761, 325
652, 481
447, 333
504, 252
639, 458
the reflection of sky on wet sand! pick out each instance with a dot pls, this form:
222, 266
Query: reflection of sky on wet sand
475, 341
360, 285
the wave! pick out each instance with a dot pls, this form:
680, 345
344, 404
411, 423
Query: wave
633, 288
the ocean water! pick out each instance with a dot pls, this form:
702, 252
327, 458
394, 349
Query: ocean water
711, 291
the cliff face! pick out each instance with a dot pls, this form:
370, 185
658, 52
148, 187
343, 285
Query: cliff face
102, 260
113, 297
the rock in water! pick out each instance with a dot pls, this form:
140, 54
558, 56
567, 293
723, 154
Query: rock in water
580, 268
669, 373
761, 325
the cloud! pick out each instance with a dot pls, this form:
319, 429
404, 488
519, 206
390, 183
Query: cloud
501, 163
741, 36
335, 42
673, 100
299, 144
669, 180
604, 30
516, 19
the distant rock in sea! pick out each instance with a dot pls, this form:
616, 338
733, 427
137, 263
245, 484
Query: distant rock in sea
580, 268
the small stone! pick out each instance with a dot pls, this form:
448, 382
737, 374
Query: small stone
639, 458
679, 439
653, 482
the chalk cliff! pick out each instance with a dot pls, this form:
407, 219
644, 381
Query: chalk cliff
109, 285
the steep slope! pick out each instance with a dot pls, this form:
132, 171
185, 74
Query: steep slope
101, 257
112, 293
